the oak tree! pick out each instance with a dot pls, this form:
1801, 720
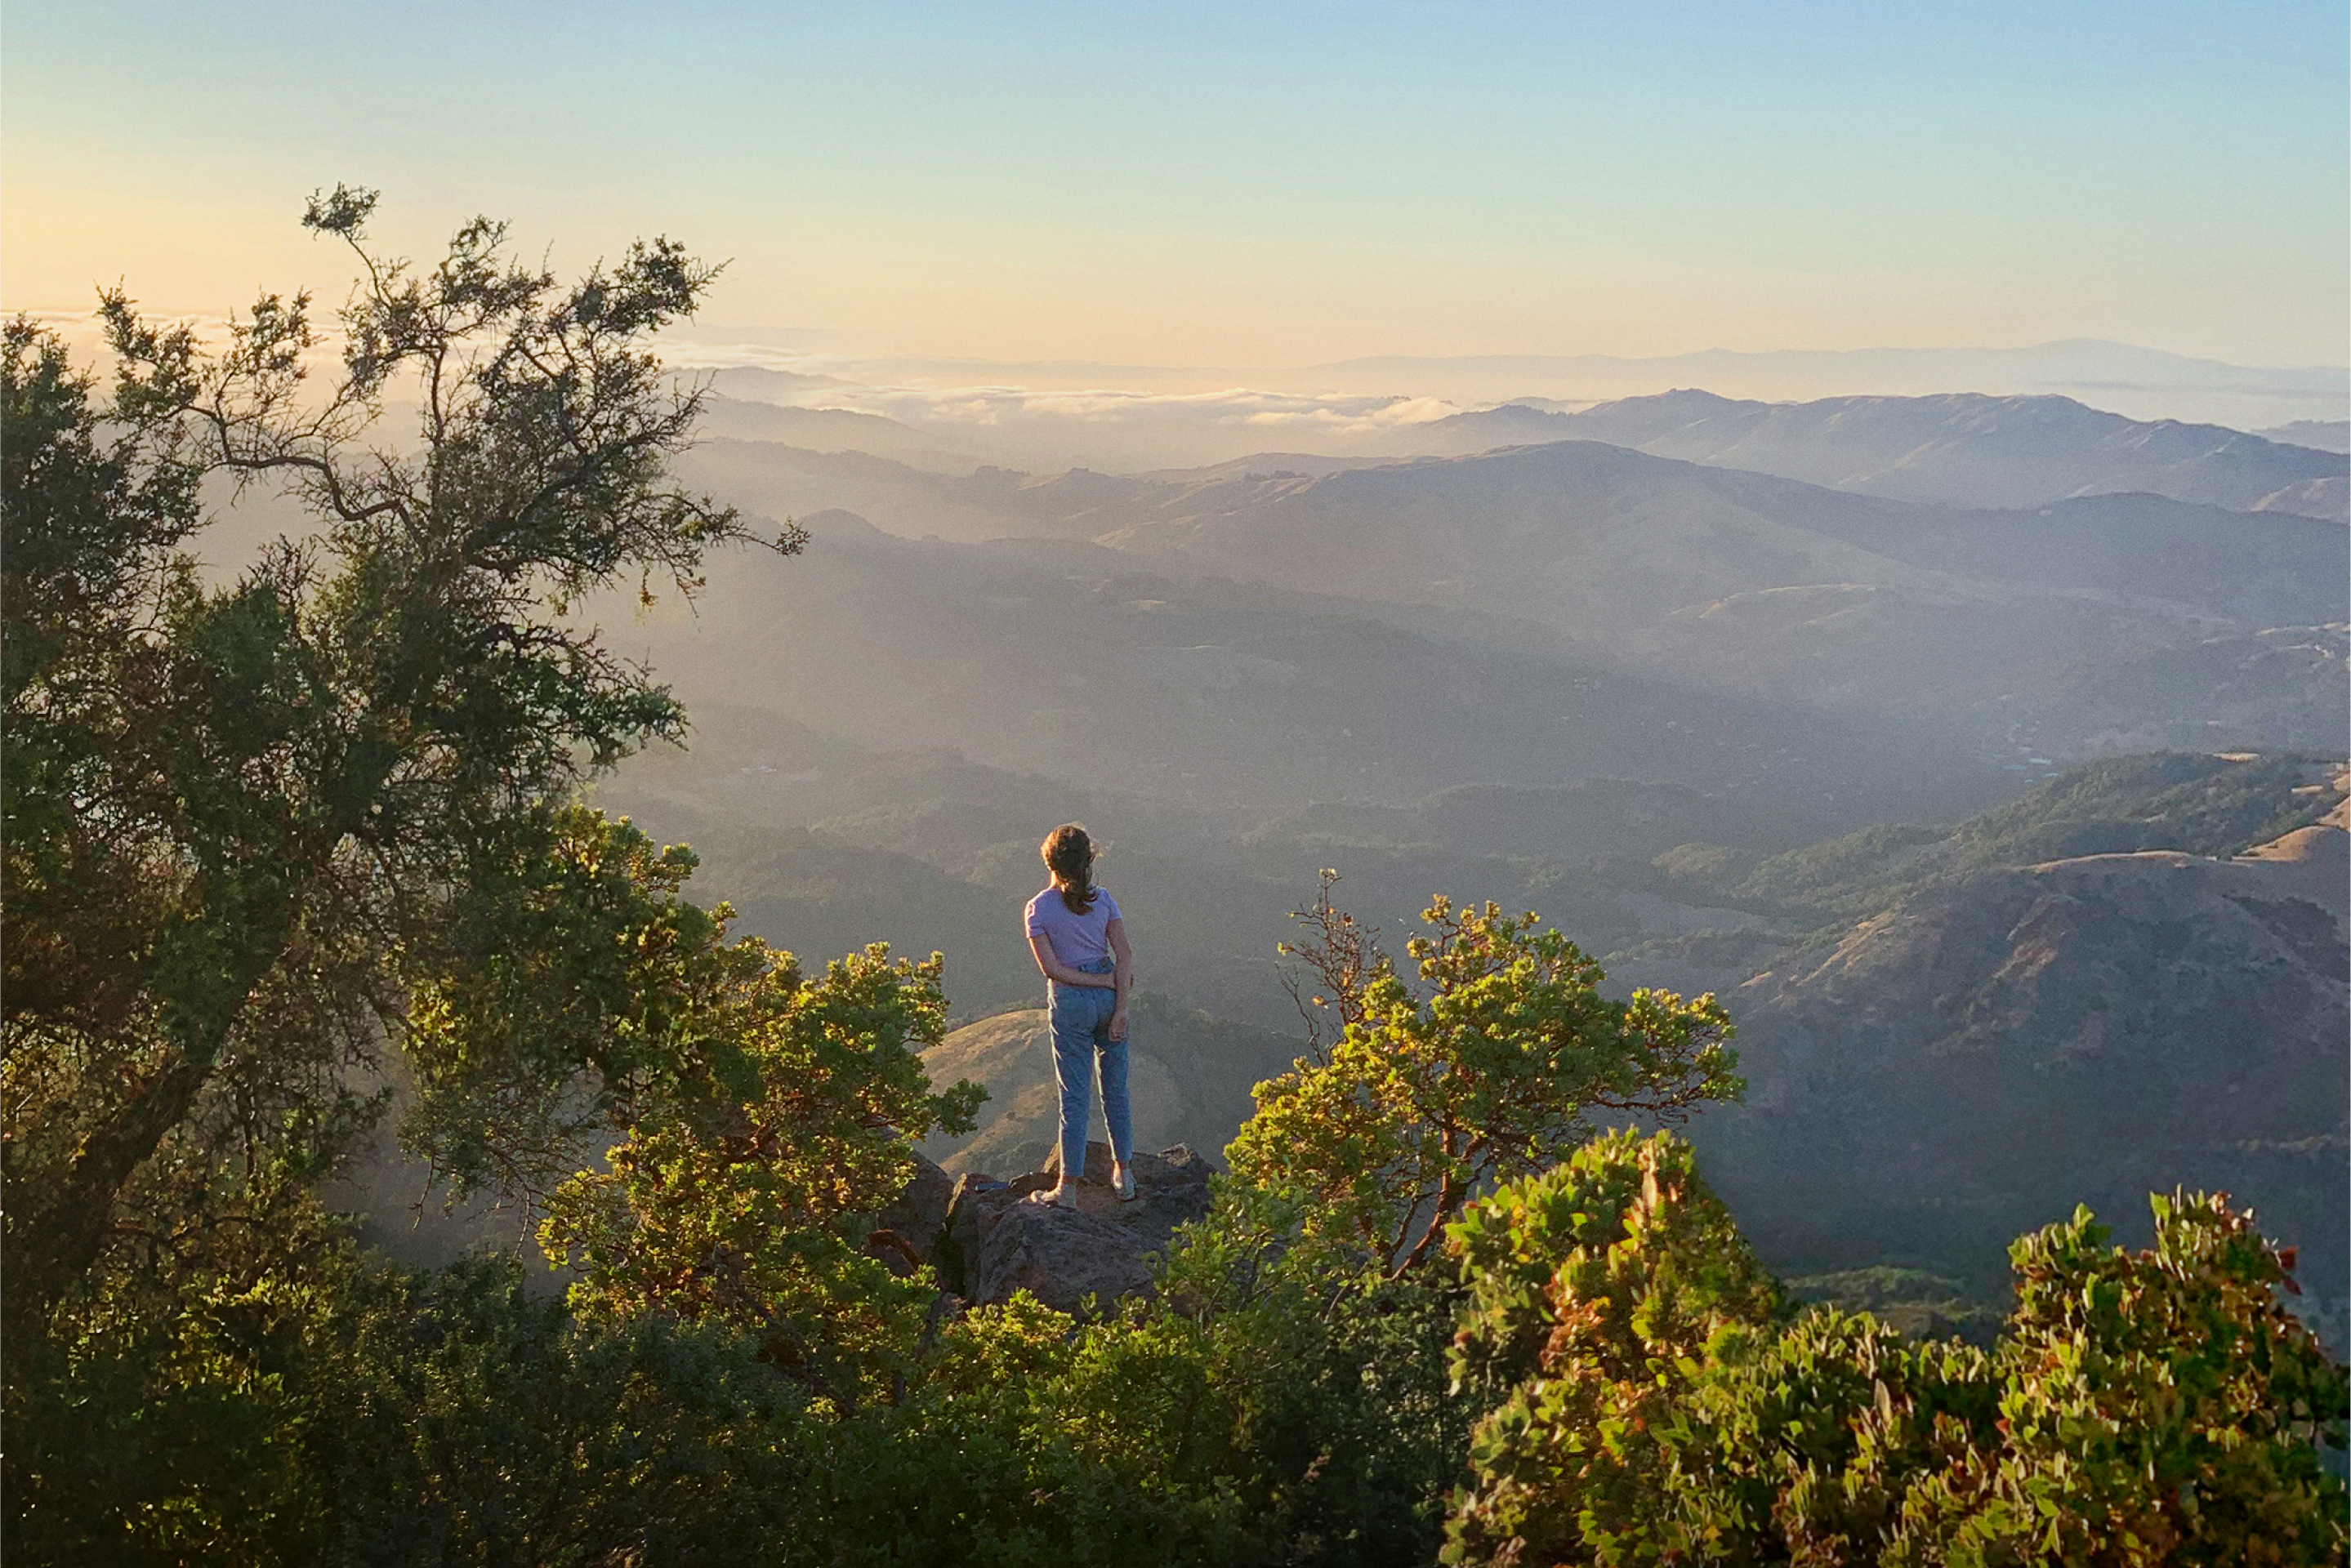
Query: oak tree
235, 814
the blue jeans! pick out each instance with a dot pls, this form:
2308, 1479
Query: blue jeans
1081, 1048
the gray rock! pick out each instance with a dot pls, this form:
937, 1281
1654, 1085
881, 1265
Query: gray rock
978, 1203
1061, 1256
1171, 1189
998, 1243
917, 1220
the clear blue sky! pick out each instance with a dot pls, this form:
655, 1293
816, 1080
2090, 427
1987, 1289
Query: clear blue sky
1242, 184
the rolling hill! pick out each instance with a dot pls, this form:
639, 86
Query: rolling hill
1998, 1046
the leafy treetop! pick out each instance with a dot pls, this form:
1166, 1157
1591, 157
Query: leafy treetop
1492, 1069
2147, 1408
231, 810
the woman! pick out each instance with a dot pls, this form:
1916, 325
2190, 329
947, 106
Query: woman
1081, 946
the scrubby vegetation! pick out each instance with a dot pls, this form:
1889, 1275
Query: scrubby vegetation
2158, 1407
289, 855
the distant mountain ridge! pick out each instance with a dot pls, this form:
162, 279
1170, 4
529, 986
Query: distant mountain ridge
1958, 449
2148, 383
1758, 584
2327, 435
827, 430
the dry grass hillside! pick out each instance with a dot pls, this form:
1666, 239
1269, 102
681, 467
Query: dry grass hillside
1188, 1077
2003, 1045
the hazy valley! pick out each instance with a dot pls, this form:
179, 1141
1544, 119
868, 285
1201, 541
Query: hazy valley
1732, 693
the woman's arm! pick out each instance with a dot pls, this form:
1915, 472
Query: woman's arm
1121, 976
1053, 968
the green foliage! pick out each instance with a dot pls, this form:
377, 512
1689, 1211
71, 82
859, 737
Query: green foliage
164, 1433
228, 809
1033, 1440
1262, 1416
453, 1419
1590, 1288
2164, 1397
1492, 1070
734, 1200
1271, 1404
749, 1117
341, 1414
2148, 1407
1349, 1430
565, 987
243, 823
1624, 1242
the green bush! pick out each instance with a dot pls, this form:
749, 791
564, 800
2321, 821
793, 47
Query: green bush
2139, 1407
454, 1418
1273, 1405
154, 1443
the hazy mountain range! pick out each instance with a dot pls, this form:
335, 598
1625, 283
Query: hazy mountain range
2147, 382
1094, 665
2096, 624
2144, 383
1960, 449
2327, 435
1801, 742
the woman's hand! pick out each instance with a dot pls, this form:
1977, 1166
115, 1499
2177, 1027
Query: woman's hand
1049, 965
1122, 974
1116, 1029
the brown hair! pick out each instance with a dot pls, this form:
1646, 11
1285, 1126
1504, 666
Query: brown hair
1070, 857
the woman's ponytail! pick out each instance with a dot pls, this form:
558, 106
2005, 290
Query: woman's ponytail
1070, 857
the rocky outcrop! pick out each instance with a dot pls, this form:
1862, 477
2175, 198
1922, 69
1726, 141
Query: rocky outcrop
916, 1223
1000, 1237
1061, 1256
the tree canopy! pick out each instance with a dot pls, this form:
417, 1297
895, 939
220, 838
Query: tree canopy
2158, 1407
231, 809
1497, 1067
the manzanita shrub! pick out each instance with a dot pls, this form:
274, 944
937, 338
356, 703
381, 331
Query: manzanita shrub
2140, 1408
1500, 1062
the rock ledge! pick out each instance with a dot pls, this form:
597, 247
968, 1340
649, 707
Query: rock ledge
994, 1239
